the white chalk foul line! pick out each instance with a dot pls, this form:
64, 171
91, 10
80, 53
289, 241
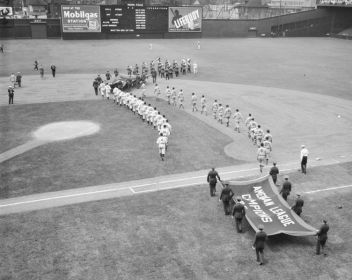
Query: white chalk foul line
330, 189
134, 191
67, 196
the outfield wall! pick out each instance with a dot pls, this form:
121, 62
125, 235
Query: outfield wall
309, 23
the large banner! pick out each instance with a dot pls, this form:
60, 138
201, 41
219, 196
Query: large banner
264, 205
185, 19
79, 18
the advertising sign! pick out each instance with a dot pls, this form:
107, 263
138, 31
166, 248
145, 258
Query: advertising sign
6, 12
185, 19
131, 19
79, 18
264, 205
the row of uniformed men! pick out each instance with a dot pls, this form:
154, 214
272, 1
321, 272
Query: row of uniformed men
148, 114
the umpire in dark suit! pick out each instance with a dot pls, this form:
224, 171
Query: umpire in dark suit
322, 237
211, 179
226, 196
238, 213
258, 244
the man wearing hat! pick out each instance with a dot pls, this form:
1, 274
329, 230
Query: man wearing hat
211, 179
322, 237
297, 207
259, 243
286, 188
238, 212
274, 171
304, 159
19, 79
226, 196
11, 92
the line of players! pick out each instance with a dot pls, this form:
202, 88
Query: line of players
147, 113
223, 115
164, 70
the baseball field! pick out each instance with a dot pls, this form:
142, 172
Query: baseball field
91, 199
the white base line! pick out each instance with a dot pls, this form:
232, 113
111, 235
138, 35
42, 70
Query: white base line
330, 189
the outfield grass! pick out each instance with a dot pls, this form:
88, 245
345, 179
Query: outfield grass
318, 65
176, 234
123, 150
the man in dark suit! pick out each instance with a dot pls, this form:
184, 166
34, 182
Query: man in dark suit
259, 243
322, 237
286, 188
274, 171
238, 212
211, 179
226, 196
297, 207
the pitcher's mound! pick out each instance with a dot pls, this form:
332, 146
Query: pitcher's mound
58, 131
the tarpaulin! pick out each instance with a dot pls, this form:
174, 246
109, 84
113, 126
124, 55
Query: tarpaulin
264, 205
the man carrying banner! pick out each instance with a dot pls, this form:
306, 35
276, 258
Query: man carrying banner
274, 171
211, 179
226, 196
286, 188
238, 212
297, 207
259, 243
322, 237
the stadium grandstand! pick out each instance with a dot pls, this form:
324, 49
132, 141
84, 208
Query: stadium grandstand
221, 18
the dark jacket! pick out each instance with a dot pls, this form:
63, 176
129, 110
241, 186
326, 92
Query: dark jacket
286, 187
239, 211
323, 232
259, 240
226, 194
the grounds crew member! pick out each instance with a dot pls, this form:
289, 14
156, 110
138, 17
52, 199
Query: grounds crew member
322, 237
259, 243
226, 196
211, 179
238, 212
297, 207
274, 171
286, 188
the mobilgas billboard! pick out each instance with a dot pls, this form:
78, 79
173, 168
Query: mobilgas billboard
80, 18
185, 19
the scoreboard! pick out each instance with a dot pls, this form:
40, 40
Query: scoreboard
133, 19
